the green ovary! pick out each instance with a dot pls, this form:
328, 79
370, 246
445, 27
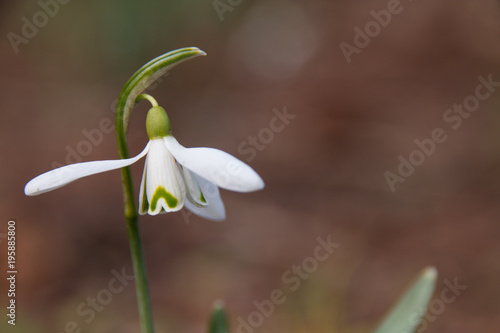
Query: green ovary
162, 193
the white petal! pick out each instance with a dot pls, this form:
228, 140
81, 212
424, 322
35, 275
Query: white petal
193, 190
215, 210
164, 184
56, 178
216, 166
143, 200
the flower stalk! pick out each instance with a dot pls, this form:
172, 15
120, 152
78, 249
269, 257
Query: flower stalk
141, 277
136, 248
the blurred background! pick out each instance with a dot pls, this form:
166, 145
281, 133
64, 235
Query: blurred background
355, 104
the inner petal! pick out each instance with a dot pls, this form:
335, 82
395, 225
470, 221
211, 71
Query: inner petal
194, 194
143, 198
165, 188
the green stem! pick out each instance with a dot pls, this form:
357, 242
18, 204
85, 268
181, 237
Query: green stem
141, 277
147, 97
129, 95
136, 248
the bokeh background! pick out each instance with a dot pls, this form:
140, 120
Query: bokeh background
324, 172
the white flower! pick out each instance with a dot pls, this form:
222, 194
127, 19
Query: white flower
173, 175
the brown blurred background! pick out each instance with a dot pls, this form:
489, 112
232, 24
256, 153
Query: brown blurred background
324, 172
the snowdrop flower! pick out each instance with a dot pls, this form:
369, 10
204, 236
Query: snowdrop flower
173, 175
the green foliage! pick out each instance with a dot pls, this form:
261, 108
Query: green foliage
218, 320
407, 314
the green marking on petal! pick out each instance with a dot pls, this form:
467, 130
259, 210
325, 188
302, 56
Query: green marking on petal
162, 193
202, 198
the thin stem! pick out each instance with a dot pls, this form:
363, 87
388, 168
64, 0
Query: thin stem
147, 97
141, 277
129, 95
134, 236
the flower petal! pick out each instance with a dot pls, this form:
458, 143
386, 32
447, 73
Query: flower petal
143, 199
215, 210
193, 190
216, 166
59, 177
165, 188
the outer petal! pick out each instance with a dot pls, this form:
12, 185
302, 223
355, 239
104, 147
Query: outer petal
165, 188
215, 210
59, 177
216, 166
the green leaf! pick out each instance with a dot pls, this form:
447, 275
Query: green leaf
218, 321
407, 314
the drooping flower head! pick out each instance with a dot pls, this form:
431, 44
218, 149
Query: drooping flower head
173, 177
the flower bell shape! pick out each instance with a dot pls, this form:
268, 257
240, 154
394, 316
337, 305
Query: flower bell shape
173, 176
